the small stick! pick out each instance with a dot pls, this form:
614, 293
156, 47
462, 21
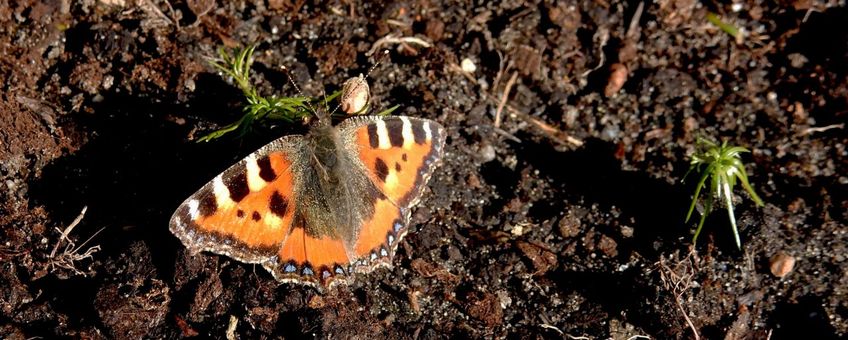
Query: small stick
810, 130
504, 97
394, 39
68, 230
634, 21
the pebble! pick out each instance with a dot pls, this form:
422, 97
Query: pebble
468, 65
781, 264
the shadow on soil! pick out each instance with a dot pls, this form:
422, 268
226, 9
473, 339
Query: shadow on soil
136, 168
654, 208
592, 175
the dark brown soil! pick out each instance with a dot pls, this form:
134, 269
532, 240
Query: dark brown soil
524, 233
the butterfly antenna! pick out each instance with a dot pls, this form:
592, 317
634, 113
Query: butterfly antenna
380, 59
297, 88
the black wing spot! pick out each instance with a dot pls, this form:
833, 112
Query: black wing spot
397, 167
256, 216
237, 185
381, 169
418, 132
279, 205
208, 204
265, 170
395, 129
240, 213
403, 157
373, 137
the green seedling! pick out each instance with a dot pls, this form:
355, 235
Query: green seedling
258, 108
237, 66
727, 28
722, 165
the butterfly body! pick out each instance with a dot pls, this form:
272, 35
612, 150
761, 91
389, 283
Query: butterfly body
318, 207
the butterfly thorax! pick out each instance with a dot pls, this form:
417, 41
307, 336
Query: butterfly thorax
323, 142
334, 201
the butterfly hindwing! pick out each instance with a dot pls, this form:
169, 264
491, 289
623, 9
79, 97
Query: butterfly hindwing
313, 259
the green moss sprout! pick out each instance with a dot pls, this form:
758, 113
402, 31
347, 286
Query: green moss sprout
723, 167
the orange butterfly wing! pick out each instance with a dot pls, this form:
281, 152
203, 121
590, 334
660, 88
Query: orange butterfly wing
399, 154
234, 215
248, 212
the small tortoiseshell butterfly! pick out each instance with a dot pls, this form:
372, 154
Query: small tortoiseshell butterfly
315, 208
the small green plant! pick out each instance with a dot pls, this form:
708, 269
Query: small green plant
237, 66
722, 165
727, 28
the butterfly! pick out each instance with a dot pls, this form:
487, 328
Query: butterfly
316, 208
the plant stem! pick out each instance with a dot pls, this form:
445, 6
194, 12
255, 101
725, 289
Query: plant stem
728, 199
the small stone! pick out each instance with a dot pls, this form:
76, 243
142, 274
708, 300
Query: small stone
781, 264
617, 78
316, 301
797, 60
610, 132
626, 231
468, 65
486, 153
108, 80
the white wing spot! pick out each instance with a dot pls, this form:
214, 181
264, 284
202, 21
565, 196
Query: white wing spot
408, 137
427, 132
222, 194
254, 182
193, 211
383, 135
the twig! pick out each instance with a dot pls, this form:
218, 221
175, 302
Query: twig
71, 253
501, 68
231, 328
546, 323
547, 326
634, 21
68, 230
197, 16
397, 39
174, 18
152, 7
553, 132
810, 130
603, 36
504, 97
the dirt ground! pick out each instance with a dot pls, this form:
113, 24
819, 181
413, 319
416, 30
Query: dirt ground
558, 213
